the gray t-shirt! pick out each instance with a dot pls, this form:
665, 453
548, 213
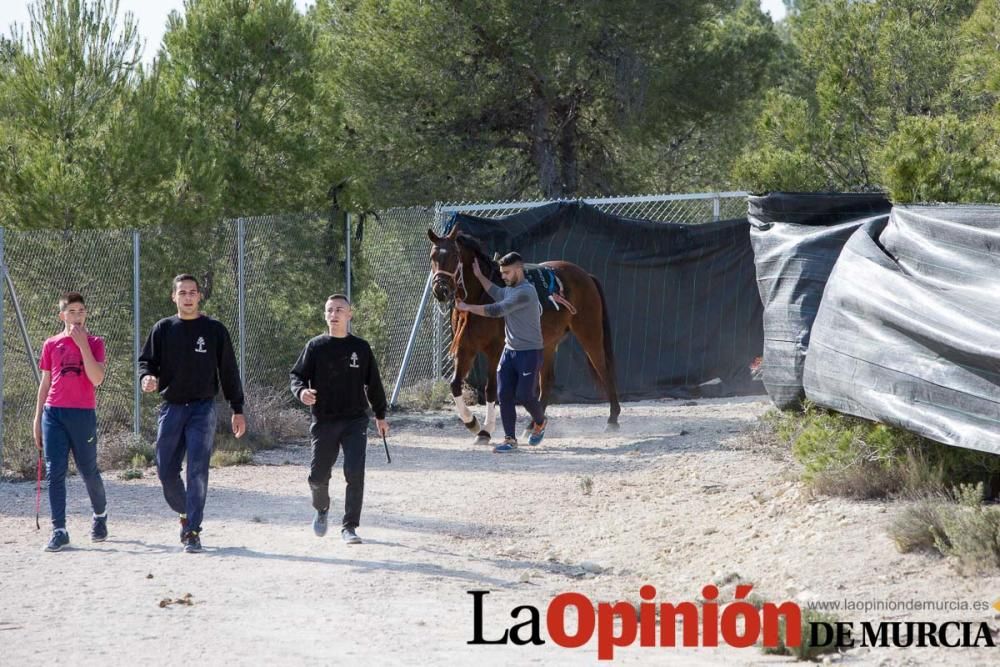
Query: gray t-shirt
521, 313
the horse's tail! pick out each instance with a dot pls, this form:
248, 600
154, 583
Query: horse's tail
609, 348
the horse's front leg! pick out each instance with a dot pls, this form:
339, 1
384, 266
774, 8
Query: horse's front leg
492, 361
463, 362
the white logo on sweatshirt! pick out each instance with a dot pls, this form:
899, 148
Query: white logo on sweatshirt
200, 345
354, 360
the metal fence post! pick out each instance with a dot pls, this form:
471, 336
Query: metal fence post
241, 296
32, 360
136, 336
716, 207
437, 319
413, 337
3, 269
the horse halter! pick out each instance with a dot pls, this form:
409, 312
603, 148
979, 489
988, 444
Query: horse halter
457, 278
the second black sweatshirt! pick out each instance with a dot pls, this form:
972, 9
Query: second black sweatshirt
344, 374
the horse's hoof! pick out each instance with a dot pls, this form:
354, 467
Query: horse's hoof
611, 427
483, 438
474, 426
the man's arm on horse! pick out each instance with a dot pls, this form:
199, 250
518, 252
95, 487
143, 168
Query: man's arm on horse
511, 301
491, 288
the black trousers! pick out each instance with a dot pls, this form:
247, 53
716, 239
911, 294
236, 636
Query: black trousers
327, 439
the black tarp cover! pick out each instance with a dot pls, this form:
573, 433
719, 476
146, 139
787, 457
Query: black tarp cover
908, 332
797, 238
683, 301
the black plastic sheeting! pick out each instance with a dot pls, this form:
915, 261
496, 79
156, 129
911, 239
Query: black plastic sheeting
684, 306
908, 332
797, 238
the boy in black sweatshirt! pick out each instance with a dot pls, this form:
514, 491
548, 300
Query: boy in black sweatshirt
337, 376
185, 358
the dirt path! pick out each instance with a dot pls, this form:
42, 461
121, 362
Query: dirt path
666, 501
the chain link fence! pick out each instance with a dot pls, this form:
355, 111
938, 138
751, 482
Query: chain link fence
266, 278
390, 266
49, 263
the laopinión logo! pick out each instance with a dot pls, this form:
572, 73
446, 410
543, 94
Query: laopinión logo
739, 624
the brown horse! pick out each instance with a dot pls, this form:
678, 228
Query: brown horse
451, 262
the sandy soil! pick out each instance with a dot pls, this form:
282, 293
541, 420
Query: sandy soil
673, 500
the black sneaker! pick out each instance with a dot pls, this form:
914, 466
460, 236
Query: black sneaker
59, 539
99, 529
184, 527
319, 523
192, 542
349, 536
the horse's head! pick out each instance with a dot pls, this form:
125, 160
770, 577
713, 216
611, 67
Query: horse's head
446, 264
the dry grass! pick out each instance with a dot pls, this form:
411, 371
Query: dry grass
123, 449
223, 458
958, 526
432, 395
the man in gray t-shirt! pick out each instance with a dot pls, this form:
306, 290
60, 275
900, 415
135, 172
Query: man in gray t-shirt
521, 363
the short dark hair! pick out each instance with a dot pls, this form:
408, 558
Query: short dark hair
342, 297
68, 298
185, 276
510, 259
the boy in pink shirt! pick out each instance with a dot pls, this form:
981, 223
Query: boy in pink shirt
72, 365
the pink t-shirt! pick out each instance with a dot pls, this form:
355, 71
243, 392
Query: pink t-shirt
71, 388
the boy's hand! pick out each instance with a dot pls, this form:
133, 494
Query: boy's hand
239, 425
38, 434
308, 396
79, 335
382, 426
150, 383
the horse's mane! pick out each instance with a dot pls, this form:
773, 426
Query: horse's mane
486, 263
492, 271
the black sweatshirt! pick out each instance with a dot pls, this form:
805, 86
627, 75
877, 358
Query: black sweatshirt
190, 357
344, 374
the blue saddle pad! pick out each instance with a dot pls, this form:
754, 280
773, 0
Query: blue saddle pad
546, 283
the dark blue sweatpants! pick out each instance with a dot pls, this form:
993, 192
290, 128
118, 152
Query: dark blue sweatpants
517, 383
66, 430
186, 429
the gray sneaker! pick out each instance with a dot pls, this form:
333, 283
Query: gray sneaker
192, 542
99, 529
349, 536
319, 523
60, 539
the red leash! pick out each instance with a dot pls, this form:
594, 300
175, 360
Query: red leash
38, 492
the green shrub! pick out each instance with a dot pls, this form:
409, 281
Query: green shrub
959, 526
426, 395
848, 456
805, 650
971, 532
120, 449
224, 458
919, 526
